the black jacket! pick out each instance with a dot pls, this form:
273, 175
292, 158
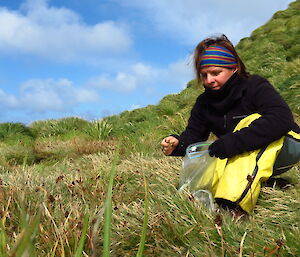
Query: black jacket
220, 111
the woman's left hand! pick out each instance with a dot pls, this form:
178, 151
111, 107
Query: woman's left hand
218, 149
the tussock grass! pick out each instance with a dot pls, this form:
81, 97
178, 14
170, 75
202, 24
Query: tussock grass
98, 130
58, 127
11, 130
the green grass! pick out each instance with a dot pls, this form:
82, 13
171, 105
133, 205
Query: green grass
98, 130
80, 247
10, 130
65, 126
145, 222
277, 55
168, 222
108, 207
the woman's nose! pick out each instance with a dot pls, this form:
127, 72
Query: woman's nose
209, 79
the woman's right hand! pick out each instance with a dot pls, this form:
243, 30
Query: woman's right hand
169, 144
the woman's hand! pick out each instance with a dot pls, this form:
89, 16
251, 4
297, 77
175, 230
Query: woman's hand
169, 144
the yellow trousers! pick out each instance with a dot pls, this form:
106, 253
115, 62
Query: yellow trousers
238, 179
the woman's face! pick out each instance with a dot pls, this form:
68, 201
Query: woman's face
215, 77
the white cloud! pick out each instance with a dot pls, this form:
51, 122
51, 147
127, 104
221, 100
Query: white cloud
140, 75
40, 13
41, 96
144, 71
8, 100
122, 82
192, 20
134, 106
58, 33
126, 81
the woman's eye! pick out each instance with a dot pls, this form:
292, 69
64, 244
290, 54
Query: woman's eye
216, 73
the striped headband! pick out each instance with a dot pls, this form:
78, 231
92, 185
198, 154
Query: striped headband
218, 56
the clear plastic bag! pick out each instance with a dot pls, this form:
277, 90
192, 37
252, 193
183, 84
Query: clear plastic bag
205, 198
196, 174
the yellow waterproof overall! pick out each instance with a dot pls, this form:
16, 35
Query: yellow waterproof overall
238, 179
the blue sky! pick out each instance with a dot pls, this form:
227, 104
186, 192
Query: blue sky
93, 58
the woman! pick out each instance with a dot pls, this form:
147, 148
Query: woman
230, 95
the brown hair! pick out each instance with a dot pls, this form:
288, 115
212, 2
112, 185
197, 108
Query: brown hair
219, 41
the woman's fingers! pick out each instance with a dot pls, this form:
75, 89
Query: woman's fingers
169, 144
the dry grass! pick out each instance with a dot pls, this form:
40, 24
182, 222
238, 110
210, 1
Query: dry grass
49, 148
177, 225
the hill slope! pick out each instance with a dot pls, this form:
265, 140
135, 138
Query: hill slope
273, 51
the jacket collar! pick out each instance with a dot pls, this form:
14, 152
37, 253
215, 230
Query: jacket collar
223, 99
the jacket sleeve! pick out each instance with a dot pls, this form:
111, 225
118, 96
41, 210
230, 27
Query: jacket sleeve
275, 121
196, 131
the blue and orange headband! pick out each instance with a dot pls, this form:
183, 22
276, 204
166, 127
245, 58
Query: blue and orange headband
218, 56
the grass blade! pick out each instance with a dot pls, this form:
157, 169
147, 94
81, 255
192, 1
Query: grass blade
108, 207
56, 229
83, 237
26, 240
54, 249
3, 240
145, 222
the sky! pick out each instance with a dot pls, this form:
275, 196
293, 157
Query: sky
95, 58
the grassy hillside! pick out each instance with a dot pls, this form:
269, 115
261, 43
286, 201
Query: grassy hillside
273, 51
70, 187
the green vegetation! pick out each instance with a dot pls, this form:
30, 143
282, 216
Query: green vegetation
177, 225
8, 131
98, 130
65, 126
71, 187
273, 51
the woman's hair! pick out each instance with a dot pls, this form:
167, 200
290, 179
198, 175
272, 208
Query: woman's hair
217, 41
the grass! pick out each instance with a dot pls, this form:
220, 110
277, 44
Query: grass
153, 219
108, 208
145, 222
277, 56
65, 126
80, 247
9, 130
98, 130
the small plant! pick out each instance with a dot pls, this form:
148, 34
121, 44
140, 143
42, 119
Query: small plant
13, 130
168, 107
175, 124
99, 130
16, 144
58, 127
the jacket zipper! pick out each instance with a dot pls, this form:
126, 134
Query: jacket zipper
234, 118
239, 117
254, 173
